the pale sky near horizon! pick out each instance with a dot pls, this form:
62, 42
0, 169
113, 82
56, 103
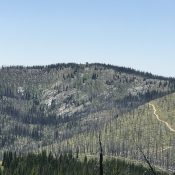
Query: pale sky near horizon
131, 33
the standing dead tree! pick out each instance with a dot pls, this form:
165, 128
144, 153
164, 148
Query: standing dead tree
101, 157
151, 169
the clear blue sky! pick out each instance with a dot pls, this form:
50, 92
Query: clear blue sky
131, 33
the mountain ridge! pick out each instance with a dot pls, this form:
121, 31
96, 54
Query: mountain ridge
121, 68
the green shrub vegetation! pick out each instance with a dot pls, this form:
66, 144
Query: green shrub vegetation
66, 164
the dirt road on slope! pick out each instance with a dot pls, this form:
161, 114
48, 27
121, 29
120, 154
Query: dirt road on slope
157, 116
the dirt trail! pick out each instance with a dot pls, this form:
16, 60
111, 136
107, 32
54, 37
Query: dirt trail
157, 116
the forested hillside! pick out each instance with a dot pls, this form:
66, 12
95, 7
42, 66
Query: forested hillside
64, 107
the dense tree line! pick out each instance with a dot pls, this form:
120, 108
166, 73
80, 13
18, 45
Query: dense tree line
96, 65
66, 164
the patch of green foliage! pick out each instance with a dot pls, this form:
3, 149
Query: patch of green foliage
66, 164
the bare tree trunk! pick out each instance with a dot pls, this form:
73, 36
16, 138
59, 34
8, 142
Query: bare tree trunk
101, 157
152, 171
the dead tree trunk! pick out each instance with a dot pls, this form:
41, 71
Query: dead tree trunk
101, 157
151, 169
